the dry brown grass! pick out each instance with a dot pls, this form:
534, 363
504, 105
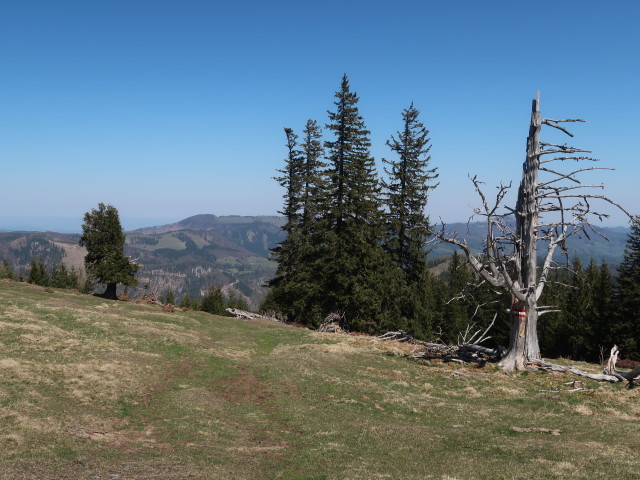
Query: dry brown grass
92, 389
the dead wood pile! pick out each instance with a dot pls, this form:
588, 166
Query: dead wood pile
331, 324
464, 353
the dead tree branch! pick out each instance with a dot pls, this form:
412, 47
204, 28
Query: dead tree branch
510, 258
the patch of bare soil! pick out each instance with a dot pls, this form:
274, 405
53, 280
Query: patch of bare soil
245, 388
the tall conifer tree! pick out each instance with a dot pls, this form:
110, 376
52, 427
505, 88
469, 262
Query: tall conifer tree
306, 291
628, 295
604, 304
406, 193
355, 269
407, 225
286, 253
579, 312
314, 182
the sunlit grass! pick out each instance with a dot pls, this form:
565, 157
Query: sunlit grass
92, 389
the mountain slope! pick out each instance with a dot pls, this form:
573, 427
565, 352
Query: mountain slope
105, 390
232, 252
187, 257
610, 249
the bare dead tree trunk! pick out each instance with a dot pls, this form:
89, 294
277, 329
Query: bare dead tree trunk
523, 341
510, 259
524, 327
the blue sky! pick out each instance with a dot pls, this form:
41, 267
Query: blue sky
168, 109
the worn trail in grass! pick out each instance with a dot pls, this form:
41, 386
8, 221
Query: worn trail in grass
102, 390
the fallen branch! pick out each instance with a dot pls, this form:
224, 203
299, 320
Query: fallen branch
553, 367
466, 353
610, 373
249, 315
577, 386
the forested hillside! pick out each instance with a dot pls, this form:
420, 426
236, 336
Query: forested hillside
190, 256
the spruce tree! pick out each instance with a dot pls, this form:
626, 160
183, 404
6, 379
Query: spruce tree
213, 301
455, 303
355, 270
185, 302
313, 176
5, 270
170, 297
407, 225
38, 274
406, 195
237, 301
579, 311
553, 330
306, 291
286, 253
63, 277
628, 295
603, 299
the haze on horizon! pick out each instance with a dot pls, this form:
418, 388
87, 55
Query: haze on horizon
166, 111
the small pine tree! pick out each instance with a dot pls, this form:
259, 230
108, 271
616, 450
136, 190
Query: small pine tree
6, 271
170, 297
213, 302
38, 274
63, 277
237, 301
87, 284
185, 302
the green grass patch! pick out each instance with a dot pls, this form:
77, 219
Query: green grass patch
95, 389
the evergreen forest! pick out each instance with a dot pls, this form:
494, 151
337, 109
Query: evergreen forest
357, 245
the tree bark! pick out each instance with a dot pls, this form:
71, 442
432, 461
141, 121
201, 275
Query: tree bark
523, 344
111, 292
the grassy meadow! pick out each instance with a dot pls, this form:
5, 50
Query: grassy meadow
91, 389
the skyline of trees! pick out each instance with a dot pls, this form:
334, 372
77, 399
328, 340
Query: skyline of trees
369, 255
355, 244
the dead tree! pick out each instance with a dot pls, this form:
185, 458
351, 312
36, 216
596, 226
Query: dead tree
552, 205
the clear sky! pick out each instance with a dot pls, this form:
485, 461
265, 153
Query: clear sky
167, 109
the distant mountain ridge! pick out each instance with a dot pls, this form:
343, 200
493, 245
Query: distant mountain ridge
233, 251
208, 222
596, 247
188, 256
